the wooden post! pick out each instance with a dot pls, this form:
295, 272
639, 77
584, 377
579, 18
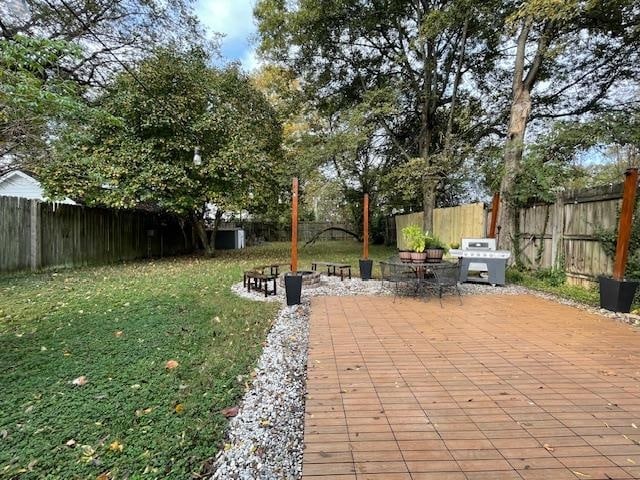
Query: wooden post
36, 235
294, 226
365, 253
495, 204
624, 227
557, 231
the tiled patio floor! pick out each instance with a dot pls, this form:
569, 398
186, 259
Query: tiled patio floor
504, 387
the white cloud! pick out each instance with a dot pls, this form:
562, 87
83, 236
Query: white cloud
251, 61
234, 18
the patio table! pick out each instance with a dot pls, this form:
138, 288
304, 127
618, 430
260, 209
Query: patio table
422, 271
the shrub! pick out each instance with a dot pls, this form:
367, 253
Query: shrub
415, 238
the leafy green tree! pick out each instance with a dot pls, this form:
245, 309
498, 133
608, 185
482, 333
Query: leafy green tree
35, 99
417, 53
283, 90
107, 33
172, 105
579, 56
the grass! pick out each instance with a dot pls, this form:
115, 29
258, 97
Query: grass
118, 326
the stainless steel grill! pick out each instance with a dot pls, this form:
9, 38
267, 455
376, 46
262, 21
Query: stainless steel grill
479, 255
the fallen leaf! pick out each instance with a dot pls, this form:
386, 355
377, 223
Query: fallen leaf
631, 461
548, 447
116, 446
171, 364
119, 333
580, 474
230, 411
80, 381
71, 443
104, 476
634, 425
179, 408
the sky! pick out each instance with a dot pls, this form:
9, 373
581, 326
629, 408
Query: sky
233, 19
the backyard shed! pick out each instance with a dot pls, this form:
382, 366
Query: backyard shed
230, 239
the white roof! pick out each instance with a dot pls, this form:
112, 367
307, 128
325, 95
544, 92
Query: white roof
19, 184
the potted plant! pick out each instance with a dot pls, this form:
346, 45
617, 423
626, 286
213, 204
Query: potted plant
405, 255
435, 249
416, 240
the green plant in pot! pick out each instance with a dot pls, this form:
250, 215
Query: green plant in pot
434, 249
416, 240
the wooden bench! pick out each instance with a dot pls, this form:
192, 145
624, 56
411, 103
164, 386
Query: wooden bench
260, 282
333, 268
274, 270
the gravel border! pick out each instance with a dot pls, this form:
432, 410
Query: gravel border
265, 440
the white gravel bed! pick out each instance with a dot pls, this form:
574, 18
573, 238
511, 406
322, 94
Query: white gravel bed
265, 439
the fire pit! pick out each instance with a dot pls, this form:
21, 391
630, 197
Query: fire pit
309, 278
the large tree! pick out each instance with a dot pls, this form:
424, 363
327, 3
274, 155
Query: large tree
35, 99
579, 57
108, 33
163, 112
345, 50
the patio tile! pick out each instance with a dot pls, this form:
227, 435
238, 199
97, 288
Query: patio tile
500, 388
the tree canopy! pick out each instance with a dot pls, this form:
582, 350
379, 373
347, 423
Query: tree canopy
172, 105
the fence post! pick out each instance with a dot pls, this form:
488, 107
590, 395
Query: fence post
35, 235
557, 232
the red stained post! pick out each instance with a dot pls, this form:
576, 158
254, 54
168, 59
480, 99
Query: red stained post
624, 227
495, 204
365, 253
294, 226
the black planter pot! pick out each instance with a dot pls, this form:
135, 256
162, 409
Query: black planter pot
366, 266
293, 288
617, 295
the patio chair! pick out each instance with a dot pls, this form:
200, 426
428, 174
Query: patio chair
443, 277
397, 274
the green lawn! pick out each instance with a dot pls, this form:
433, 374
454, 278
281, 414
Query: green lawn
118, 326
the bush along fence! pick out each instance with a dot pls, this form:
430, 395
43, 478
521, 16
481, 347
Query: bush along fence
35, 235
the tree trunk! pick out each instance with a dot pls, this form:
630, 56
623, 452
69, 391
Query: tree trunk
214, 233
507, 215
428, 203
201, 230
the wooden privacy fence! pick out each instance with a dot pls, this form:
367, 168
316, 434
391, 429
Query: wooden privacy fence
560, 235
35, 235
565, 234
449, 224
